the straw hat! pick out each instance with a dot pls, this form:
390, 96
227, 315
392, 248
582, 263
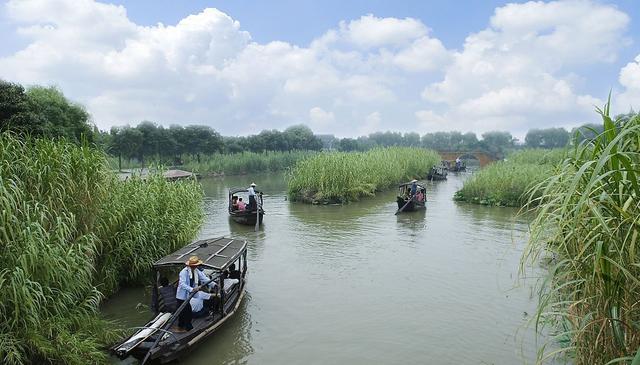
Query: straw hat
414, 180
194, 261
253, 184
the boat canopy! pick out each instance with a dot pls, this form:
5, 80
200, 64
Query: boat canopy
409, 183
216, 253
240, 190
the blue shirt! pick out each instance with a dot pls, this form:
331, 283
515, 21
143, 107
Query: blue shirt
251, 191
184, 284
414, 188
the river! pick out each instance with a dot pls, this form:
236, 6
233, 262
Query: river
355, 284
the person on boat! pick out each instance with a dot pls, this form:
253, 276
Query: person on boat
241, 205
420, 196
200, 304
414, 187
234, 203
458, 163
252, 196
232, 273
189, 281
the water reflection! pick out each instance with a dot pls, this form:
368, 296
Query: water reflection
357, 284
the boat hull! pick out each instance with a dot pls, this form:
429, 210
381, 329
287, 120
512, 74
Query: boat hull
411, 207
246, 218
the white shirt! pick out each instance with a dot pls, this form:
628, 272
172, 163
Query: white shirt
251, 191
197, 301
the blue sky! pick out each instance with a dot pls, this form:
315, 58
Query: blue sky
388, 86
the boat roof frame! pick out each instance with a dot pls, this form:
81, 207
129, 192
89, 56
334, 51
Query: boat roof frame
409, 183
241, 190
216, 253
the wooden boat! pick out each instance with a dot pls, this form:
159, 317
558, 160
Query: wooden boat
437, 173
157, 341
249, 215
404, 205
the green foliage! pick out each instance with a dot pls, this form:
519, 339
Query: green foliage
547, 138
505, 183
70, 232
344, 177
43, 112
245, 162
588, 223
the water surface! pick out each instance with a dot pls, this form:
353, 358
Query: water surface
355, 284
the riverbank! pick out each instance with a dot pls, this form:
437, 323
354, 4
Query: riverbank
227, 164
341, 177
73, 233
508, 183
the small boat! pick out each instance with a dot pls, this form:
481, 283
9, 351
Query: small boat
157, 341
437, 173
417, 203
250, 215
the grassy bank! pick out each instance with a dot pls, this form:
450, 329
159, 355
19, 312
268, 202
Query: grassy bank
588, 227
71, 233
343, 177
506, 183
227, 164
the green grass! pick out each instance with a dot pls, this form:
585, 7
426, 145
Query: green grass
343, 177
70, 233
588, 226
228, 164
506, 183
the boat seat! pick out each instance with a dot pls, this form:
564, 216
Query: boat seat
167, 301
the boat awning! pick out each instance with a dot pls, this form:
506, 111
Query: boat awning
409, 183
216, 253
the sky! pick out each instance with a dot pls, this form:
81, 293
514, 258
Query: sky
347, 68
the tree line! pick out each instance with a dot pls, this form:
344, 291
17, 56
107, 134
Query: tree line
46, 112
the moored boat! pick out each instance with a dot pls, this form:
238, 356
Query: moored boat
158, 341
407, 202
250, 214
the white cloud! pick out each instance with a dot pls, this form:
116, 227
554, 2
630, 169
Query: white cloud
365, 74
516, 74
630, 79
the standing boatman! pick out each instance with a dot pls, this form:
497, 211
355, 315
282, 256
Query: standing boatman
189, 281
414, 188
252, 196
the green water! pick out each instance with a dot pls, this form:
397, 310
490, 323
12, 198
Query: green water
356, 284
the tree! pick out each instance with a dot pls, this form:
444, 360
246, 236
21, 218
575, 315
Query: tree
59, 117
300, 137
347, 145
547, 138
15, 110
497, 143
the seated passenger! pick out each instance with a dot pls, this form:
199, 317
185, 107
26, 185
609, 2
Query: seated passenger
232, 273
234, 203
241, 205
200, 304
420, 196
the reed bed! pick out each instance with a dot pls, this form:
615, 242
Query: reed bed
246, 162
69, 232
506, 183
340, 177
587, 226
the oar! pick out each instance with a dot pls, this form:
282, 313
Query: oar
405, 205
175, 316
258, 205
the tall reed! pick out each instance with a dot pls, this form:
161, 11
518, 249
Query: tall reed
506, 183
69, 234
343, 177
588, 226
